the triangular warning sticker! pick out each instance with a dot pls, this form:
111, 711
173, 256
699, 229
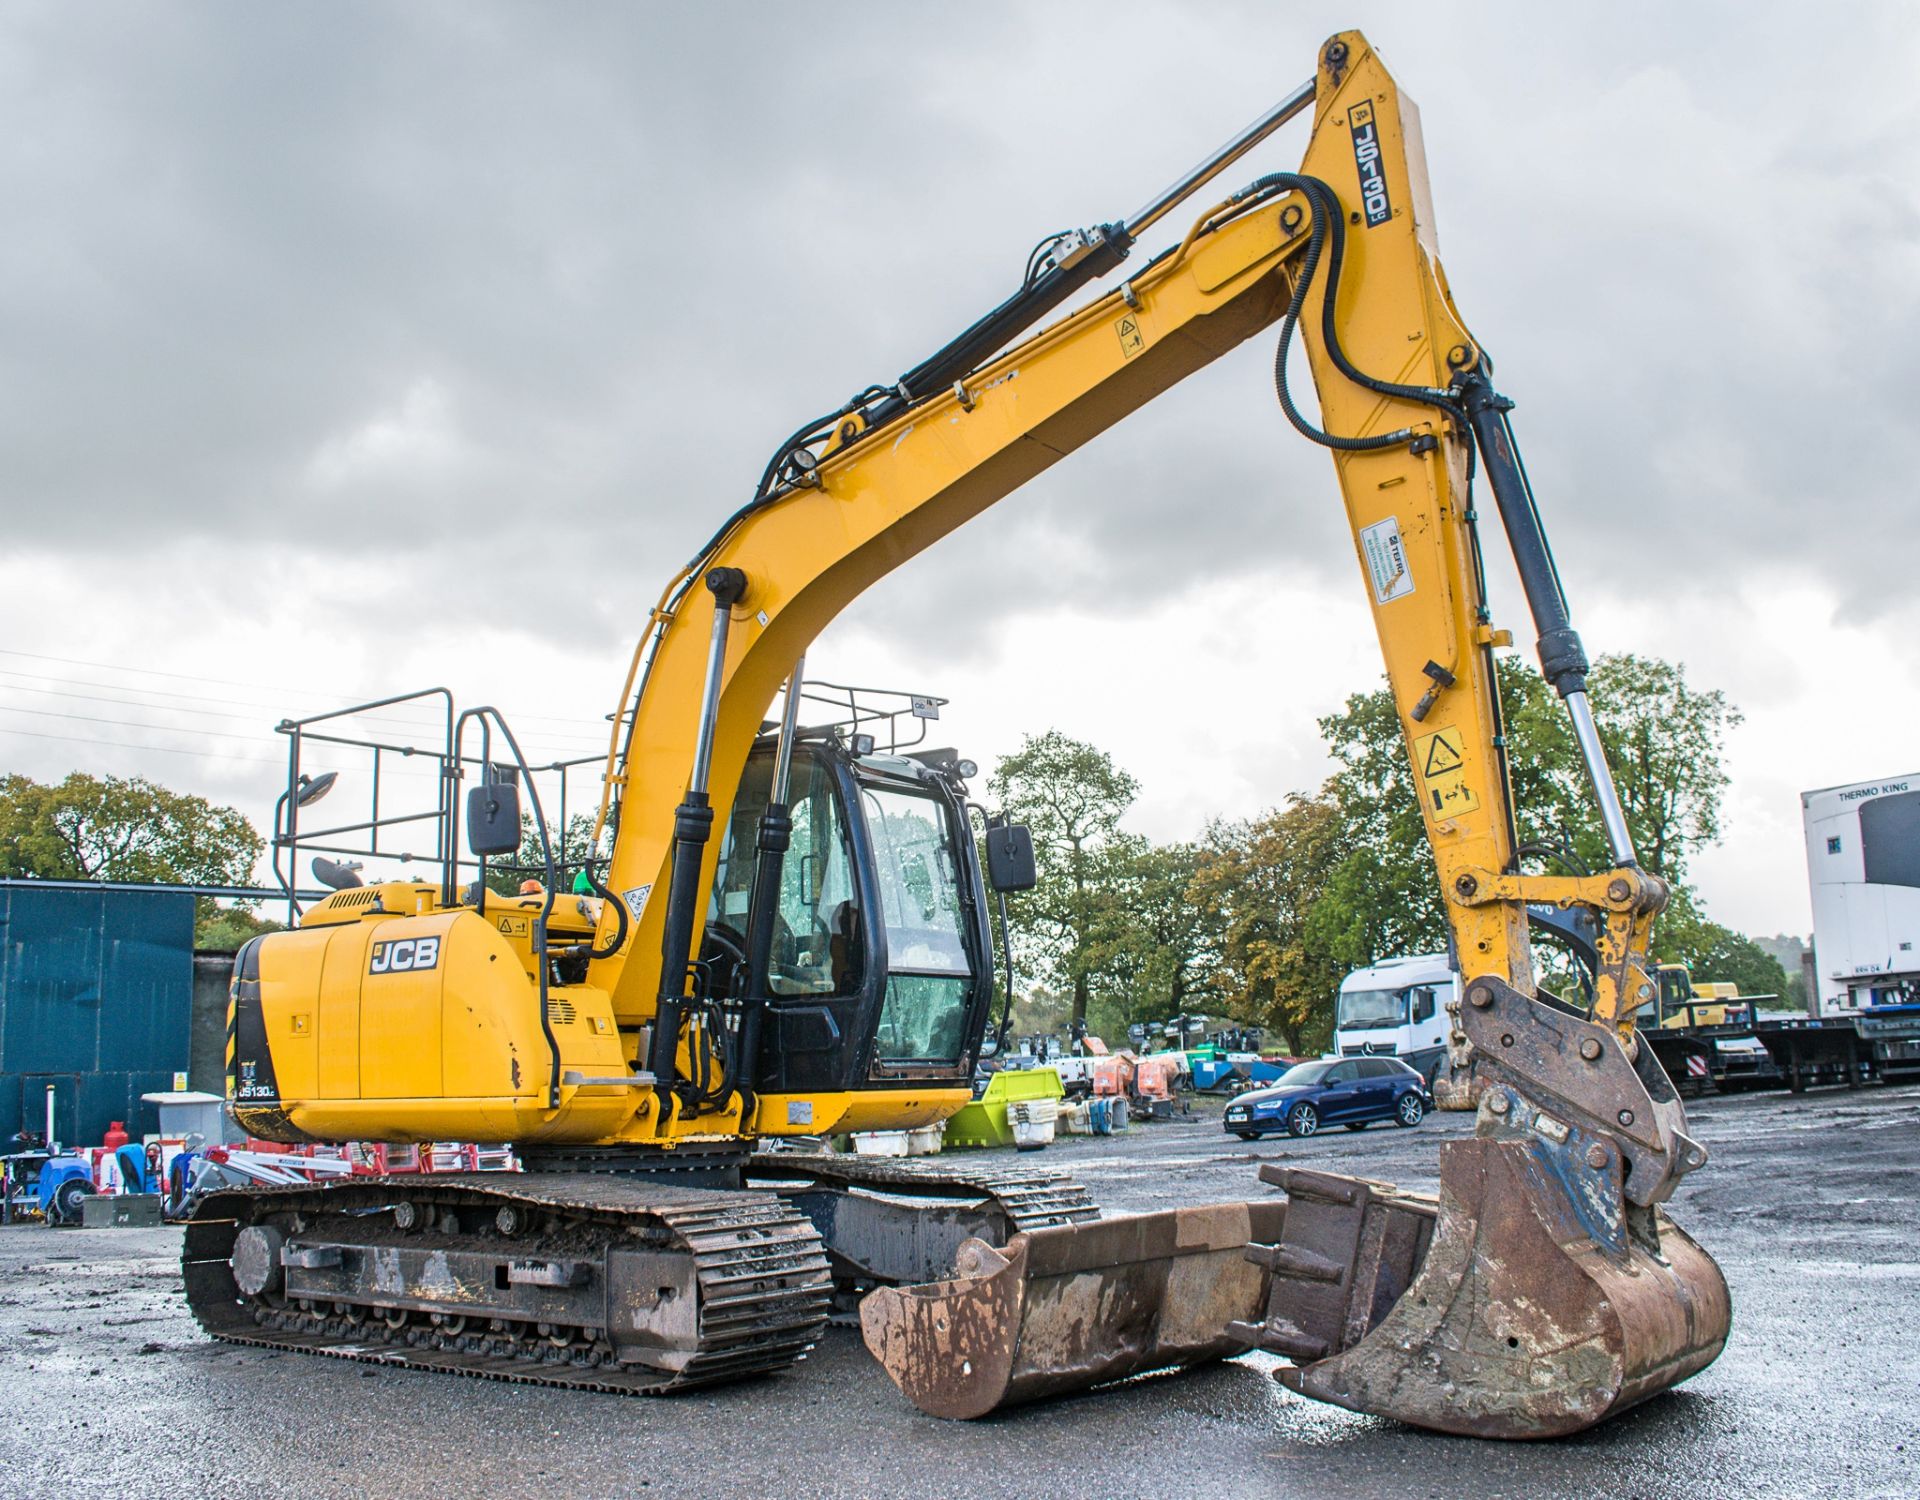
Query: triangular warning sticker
1443, 755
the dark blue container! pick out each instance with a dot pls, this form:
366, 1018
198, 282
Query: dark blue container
96, 996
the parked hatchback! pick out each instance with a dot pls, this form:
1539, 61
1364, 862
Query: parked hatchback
1353, 1092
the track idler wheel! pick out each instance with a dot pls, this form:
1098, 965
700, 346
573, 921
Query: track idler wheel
1531, 1302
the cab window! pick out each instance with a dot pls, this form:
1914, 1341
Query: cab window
929, 975
816, 931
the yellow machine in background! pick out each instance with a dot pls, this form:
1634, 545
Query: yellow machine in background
789, 936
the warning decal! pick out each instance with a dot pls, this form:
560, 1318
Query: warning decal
1132, 341
1386, 557
1442, 759
1443, 754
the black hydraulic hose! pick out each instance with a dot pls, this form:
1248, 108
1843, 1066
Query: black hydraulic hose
623, 919
1326, 239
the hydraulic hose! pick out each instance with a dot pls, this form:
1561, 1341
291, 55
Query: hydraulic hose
1327, 238
622, 923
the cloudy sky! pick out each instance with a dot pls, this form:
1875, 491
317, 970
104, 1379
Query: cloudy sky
351, 348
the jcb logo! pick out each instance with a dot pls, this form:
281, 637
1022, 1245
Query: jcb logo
404, 955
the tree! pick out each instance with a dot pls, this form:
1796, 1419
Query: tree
224, 928
110, 828
132, 829
1264, 887
1665, 741
1072, 796
572, 848
1380, 895
1150, 942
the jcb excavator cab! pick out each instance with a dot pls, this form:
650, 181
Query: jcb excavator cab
880, 968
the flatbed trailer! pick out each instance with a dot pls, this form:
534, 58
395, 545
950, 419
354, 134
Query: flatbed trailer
1792, 1052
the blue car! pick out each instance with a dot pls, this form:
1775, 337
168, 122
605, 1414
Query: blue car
1353, 1092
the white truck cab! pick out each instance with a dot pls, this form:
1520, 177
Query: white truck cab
1397, 1008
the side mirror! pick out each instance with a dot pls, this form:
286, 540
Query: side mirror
1010, 863
493, 818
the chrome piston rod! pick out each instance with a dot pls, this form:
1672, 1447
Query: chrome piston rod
1156, 207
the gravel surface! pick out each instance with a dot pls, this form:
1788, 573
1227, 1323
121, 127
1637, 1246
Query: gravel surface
1810, 1205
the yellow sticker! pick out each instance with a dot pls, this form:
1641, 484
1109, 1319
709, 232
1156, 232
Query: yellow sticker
1132, 341
1441, 759
1452, 799
515, 926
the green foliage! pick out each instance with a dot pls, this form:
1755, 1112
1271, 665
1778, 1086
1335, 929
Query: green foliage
1258, 888
1072, 796
1150, 945
1664, 738
571, 849
222, 929
1262, 919
114, 828
1719, 955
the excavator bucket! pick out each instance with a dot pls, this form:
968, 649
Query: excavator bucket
1495, 1313
1492, 1312
1543, 1291
1062, 1309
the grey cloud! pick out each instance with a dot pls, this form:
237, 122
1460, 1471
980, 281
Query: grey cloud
285, 279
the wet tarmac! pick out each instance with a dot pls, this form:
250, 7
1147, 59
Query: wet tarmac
1811, 1205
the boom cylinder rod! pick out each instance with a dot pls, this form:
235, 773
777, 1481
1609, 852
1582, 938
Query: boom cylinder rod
789, 727
1183, 186
1563, 658
692, 826
1612, 815
776, 834
727, 585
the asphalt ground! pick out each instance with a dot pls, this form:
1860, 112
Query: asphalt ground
1811, 1205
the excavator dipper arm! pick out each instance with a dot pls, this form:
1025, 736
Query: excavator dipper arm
1545, 1288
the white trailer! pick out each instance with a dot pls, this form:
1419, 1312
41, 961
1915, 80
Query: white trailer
1863, 865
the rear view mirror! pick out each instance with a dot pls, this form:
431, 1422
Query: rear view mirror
1010, 864
493, 819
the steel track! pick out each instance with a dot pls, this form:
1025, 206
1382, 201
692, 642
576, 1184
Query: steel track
760, 1267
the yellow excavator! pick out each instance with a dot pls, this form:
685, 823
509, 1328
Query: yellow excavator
789, 937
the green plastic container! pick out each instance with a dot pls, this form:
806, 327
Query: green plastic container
984, 1122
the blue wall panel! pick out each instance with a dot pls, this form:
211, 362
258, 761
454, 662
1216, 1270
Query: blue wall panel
53, 982
96, 990
146, 980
